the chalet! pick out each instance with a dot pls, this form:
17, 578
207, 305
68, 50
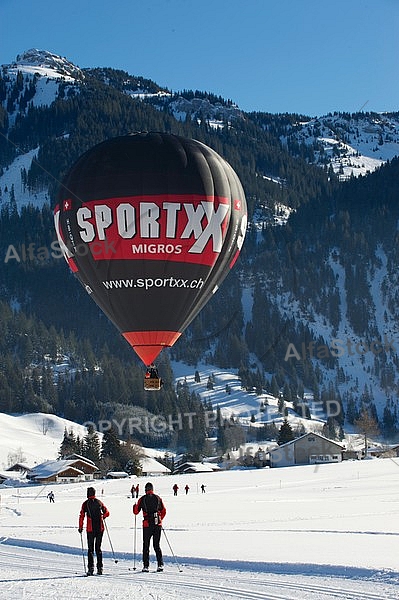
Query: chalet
84, 464
150, 466
63, 471
20, 467
117, 475
196, 467
384, 451
308, 449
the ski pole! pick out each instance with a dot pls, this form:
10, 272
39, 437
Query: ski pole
170, 547
110, 543
83, 552
134, 554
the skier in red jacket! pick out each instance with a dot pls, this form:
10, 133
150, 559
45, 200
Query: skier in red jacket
96, 512
153, 512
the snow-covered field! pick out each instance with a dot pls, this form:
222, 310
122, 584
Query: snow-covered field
312, 532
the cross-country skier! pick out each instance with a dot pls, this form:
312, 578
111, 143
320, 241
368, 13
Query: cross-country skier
96, 512
153, 512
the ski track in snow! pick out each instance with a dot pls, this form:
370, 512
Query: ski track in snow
39, 573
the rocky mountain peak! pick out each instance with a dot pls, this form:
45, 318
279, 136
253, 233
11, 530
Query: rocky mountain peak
46, 59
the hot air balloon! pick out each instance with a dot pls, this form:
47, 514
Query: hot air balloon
151, 223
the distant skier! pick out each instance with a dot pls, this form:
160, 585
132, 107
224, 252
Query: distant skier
133, 490
153, 512
186, 489
175, 489
96, 512
203, 488
51, 497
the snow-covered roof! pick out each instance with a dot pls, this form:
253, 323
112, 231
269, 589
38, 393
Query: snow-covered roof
150, 465
76, 457
19, 467
309, 433
117, 474
197, 467
10, 474
53, 467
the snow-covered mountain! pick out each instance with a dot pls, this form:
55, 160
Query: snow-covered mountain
46, 63
348, 144
34, 80
352, 144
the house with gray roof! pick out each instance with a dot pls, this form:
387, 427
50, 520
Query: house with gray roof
308, 449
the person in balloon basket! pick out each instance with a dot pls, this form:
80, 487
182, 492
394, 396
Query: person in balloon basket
151, 372
153, 512
95, 512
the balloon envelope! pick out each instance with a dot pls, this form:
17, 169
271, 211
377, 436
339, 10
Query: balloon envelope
151, 223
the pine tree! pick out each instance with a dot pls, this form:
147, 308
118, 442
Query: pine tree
110, 447
285, 434
69, 445
274, 389
130, 455
91, 445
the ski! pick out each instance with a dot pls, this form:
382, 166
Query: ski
145, 572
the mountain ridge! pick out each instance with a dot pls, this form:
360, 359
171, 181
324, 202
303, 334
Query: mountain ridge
352, 144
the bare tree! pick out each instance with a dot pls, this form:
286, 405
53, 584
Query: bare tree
17, 456
44, 425
368, 426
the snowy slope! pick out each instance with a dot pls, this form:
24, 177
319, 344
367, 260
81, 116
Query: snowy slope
238, 402
352, 144
33, 438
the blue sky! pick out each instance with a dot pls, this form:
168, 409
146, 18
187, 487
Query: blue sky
305, 56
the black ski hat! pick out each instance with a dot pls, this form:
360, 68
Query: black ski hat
148, 487
91, 492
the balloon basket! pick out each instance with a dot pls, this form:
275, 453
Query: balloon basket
152, 384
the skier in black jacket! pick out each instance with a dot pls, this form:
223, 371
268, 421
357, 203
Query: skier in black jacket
153, 513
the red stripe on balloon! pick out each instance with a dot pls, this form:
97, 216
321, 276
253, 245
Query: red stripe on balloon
148, 344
